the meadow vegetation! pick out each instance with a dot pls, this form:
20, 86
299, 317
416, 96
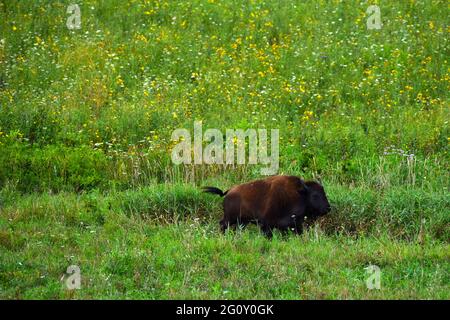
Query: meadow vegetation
86, 118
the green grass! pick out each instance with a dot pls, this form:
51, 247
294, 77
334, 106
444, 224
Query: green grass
163, 242
86, 118
129, 258
95, 107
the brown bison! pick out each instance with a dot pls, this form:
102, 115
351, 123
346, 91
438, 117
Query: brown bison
280, 202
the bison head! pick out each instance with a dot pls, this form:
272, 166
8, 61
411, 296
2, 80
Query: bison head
317, 203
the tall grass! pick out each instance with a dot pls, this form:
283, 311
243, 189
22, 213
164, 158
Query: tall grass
95, 107
86, 118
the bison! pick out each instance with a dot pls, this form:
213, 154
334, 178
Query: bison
281, 202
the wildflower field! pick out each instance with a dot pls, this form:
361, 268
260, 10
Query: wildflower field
87, 114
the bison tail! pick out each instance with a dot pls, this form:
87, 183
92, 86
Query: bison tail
214, 190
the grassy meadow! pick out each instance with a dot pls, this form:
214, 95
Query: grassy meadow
86, 118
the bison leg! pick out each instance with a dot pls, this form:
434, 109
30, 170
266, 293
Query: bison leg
290, 223
266, 230
231, 210
225, 224
297, 228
